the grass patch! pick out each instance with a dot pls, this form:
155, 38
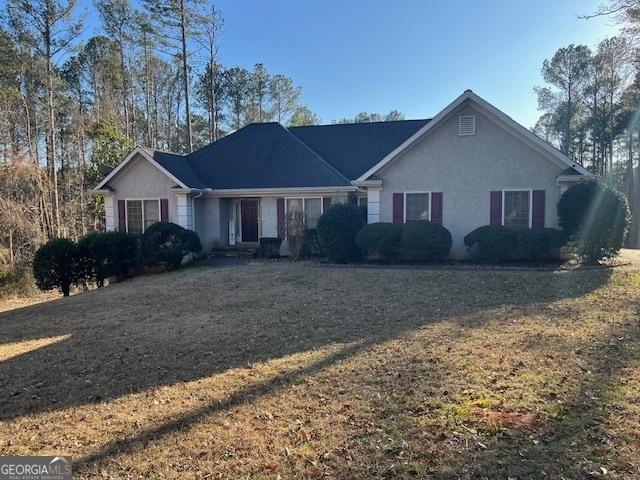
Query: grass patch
303, 371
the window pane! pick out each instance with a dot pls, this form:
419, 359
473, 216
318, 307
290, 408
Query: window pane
151, 212
417, 206
295, 217
134, 216
294, 205
516, 209
312, 207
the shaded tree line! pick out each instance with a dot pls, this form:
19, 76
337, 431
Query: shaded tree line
71, 103
590, 105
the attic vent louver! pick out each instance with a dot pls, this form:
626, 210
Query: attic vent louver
466, 125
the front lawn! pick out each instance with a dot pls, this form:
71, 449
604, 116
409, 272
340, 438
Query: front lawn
302, 371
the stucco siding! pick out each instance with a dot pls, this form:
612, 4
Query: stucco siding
207, 221
466, 169
141, 179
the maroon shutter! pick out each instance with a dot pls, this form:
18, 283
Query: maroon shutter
398, 208
164, 210
496, 208
122, 216
326, 203
537, 215
436, 207
280, 217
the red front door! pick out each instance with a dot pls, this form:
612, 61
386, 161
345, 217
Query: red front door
249, 216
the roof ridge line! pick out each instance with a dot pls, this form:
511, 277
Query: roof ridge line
164, 151
315, 153
362, 123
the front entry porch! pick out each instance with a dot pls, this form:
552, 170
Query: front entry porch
245, 224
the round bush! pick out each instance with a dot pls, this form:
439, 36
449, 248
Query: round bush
424, 241
168, 243
491, 243
379, 241
595, 218
337, 229
56, 265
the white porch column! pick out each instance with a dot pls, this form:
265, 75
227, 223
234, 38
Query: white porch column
185, 210
109, 217
373, 204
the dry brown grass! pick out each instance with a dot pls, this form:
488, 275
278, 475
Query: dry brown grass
300, 371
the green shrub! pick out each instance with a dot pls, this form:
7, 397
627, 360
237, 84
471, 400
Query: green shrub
595, 219
379, 241
269, 247
538, 245
112, 254
424, 241
337, 229
491, 243
168, 243
310, 244
56, 265
498, 244
86, 263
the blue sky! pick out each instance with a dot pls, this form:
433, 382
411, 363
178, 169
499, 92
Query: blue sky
412, 55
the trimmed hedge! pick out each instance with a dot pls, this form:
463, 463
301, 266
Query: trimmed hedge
269, 247
337, 229
596, 219
414, 241
499, 244
379, 241
424, 241
168, 243
56, 264
112, 254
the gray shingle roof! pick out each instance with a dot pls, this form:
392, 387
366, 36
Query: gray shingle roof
262, 155
355, 148
267, 155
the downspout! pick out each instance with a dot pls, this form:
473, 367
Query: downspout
193, 209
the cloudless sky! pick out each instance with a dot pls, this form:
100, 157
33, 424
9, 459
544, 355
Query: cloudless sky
415, 56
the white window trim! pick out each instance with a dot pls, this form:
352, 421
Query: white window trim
126, 210
530, 190
404, 207
304, 199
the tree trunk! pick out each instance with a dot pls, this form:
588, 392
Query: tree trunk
147, 91
51, 137
185, 76
125, 88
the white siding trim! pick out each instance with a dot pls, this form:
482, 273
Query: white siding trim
109, 215
185, 218
373, 204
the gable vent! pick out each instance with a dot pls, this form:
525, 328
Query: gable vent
466, 125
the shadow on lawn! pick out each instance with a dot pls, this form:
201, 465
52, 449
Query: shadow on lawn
579, 443
183, 326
